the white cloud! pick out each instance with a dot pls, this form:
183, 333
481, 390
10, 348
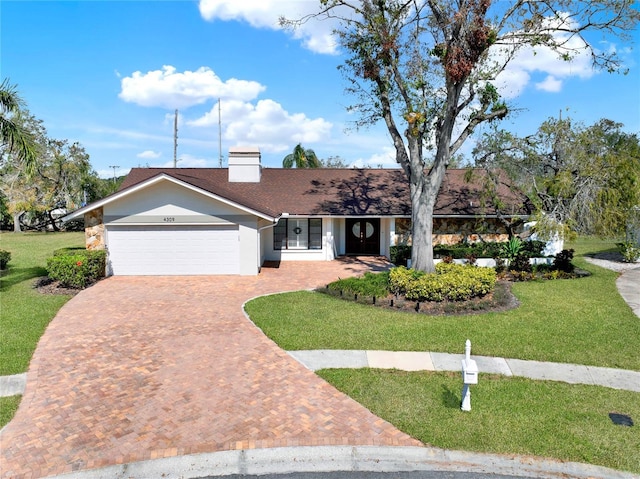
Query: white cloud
149, 154
385, 158
550, 84
315, 35
266, 124
532, 61
168, 88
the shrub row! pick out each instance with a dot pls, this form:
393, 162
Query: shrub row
5, 257
76, 268
451, 282
532, 249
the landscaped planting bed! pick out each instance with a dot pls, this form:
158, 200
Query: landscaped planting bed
582, 321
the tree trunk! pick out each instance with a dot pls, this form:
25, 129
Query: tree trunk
52, 220
423, 198
16, 222
425, 187
421, 233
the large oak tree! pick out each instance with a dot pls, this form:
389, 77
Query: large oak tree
426, 68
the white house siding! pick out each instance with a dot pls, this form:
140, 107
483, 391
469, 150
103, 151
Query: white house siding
249, 246
214, 237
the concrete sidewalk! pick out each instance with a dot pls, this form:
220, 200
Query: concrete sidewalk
13, 385
428, 361
628, 285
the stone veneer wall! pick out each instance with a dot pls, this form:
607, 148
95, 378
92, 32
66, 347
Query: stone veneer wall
454, 230
94, 229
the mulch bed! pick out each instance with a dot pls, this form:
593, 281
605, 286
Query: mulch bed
501, 299
46, 285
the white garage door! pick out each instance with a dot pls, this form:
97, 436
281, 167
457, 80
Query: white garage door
173, 250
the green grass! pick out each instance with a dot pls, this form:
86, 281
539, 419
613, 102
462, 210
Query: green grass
508, 415
8, 407
583, 321
25, 312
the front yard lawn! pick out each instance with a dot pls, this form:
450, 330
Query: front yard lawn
583, 321
26, 312
508, 415
8, 407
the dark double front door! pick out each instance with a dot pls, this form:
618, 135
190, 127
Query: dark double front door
363, 236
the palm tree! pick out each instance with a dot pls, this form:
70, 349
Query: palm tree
13, 136
301, 158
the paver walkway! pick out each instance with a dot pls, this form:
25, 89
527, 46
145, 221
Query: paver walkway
138, 368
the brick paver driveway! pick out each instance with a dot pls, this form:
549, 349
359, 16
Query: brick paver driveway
137, 368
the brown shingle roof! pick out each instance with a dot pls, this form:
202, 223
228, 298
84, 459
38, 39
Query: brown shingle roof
338, 192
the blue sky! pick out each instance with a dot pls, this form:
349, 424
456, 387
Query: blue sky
109, 74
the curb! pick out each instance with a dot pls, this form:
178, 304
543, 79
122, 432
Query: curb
321, 459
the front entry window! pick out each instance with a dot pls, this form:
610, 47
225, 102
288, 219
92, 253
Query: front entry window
298, 233
368, 230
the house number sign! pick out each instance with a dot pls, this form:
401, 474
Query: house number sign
169, 219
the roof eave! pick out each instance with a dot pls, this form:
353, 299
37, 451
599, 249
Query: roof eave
156, 179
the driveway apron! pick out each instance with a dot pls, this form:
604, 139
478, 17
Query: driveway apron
138, 368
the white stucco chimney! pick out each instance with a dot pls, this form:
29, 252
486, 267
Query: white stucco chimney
244, 164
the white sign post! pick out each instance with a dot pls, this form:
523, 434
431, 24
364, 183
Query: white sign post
469, 376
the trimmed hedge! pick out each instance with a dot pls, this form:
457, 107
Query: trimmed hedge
5, 257
76, 268
533, 249
452, 282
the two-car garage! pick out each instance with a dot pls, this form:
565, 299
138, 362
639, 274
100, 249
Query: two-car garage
171, 222
173, 249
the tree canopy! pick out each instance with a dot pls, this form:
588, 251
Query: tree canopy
584, 178
427, 69
58, 179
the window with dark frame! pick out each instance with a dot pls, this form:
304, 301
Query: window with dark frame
298, 233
